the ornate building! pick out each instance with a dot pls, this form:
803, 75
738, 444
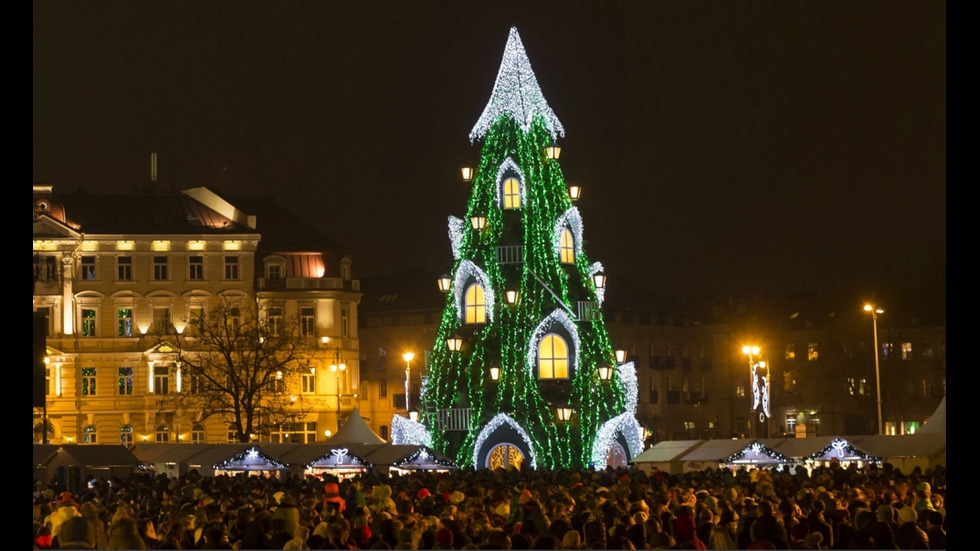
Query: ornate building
116, 276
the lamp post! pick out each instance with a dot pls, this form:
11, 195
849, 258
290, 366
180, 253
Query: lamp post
760, 386
874, 310
408, 357
338, 367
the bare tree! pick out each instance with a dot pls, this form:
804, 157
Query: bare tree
243, 367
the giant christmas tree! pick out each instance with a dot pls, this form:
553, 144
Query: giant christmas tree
522, 371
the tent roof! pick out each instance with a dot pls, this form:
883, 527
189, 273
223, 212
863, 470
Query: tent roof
43, 452
721, 450
909, 445
936, 423
666, 451
355, 431
98, 455
171, 453
392, 454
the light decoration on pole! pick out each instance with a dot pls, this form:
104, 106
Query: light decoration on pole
874, 311
760, 382
408, 357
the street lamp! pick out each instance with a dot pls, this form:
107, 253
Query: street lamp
338, 367
408, 357
874, 310
760, 385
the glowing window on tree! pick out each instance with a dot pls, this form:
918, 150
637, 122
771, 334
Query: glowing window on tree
512, 193
505, 456
475, 304
567, 247
553, 357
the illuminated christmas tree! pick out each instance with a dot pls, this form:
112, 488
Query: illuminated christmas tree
522, 371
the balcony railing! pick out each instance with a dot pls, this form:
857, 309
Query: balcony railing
453, 419
293, 283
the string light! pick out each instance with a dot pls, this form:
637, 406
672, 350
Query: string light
600, 292
469, 270
456, 232
757, 453
249, 459
406, 431
516, 93
841, 449
507, 168
628, 382
625, 425
558, 317
572, 220
492, 427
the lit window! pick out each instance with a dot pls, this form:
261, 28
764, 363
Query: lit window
163, 433
812, 352
126, 435
231, 268
161, 380
89, 435
886, 350
275, 321
124, 268
88, 322
88, 268
307, 321
567, 247
124, 322
512, 193
740, 391
344, 321
552, 357
88, 381
125, 381
906, 351
160, 268
197, 434
475, 304
195, 268
790, 351
309, 383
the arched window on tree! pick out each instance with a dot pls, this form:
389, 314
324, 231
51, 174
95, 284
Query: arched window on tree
475, 304
566, 248
512, 193
552, 357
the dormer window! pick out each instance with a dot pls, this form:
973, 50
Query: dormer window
553, 357
274, 271
475, 305
512, 193
566, 248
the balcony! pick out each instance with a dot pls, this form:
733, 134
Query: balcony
452, 419
308, 283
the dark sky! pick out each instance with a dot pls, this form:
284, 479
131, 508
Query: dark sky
722, 146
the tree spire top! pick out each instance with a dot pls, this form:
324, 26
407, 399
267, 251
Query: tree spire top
516, 92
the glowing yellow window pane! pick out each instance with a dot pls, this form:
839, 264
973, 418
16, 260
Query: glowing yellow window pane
552, 358
475, 305
567, 247
512, 193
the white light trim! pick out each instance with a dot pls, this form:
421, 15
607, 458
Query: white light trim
595, 268
463, 273
558, 317
456, 229
516, 93
491, 427
624, 424
627, 382
406, 431
571, 219
505, 167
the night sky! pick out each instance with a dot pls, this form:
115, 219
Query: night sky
724, 147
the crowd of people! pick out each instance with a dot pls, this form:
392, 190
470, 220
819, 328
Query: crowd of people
832, 507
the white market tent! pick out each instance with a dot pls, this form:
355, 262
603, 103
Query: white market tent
936, 423
665, 456
355, 431
740, 452
924, 450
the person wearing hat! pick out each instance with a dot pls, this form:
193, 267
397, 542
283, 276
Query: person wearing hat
333, 503
76, 533
64, 510
909, 535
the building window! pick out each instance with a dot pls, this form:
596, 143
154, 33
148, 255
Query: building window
309, 382
740, 391
567, 247
275, 321
274, 272
160, 265
124, 268
124, 322
89, 435
161, 380
512, 193
791, 423
552, 357
88, 322
790, 351
163, 433
235, 318
345, 321
307, 321
88, 381
161, 320
231, 268
383, 388
126, 435
812, 352
886, 350
383, 432
45, 268
125, 381
197, 434
88, 268
297, 433
195, 315
475, 304
906, 351
195, 268
232, 433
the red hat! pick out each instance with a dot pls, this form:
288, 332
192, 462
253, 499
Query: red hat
423, 493
66, 497
331, 488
